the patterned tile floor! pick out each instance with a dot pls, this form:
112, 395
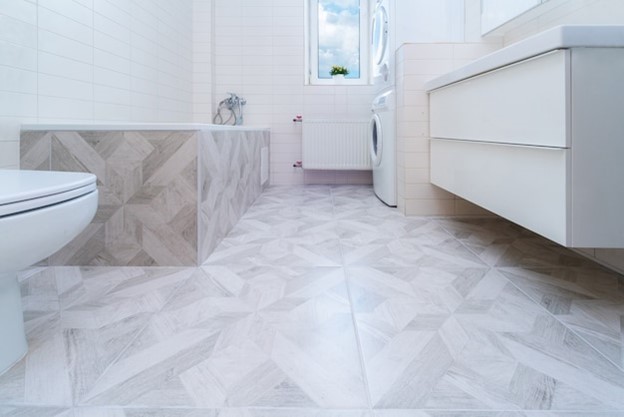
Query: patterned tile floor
322, 302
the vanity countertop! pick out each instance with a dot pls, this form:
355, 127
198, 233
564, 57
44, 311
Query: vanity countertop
560, 37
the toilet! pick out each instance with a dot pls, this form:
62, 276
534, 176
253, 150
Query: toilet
40, 212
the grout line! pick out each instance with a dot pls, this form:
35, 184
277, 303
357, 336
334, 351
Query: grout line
538, 268
142, 329
353, 319
620, 367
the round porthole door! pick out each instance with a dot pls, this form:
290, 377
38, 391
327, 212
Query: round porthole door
376, 140
379, 34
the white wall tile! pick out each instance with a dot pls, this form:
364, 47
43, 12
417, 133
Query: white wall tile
258, 52
18, 105
61, 25
18, 32
9, 129
18, 56
9, 154
88, 60
52, 64
53, 86
21, 10
70, 9
64, 109
18, 80
53, 43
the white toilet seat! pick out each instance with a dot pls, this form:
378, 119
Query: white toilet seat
22, 191
40, 212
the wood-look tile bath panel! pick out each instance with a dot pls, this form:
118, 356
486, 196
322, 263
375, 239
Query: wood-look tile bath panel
147, 213
35, 150
229, 181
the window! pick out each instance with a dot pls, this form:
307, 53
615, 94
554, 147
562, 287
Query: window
337, 34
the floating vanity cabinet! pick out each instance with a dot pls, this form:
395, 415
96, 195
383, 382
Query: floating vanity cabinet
539, 141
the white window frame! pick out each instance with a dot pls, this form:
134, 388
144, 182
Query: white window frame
311, 32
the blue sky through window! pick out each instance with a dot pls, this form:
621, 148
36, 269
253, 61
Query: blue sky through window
339, 36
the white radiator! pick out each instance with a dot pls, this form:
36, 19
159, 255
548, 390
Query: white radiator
336, 145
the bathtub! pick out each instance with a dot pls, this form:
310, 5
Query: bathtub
169, 192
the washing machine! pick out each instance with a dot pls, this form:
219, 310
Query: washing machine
382, 139
383, 44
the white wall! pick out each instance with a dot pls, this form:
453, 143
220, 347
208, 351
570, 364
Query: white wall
203, 28
497, 12
559, 12
92, 60
259, 54
418, 63
429, 21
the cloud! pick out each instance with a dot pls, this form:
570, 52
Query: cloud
339, 36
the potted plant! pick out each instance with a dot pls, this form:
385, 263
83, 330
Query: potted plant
338, 72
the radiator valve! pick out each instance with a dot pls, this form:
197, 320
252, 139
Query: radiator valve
298, 164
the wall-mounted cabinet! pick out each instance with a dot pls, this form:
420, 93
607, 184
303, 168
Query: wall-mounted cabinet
539, 141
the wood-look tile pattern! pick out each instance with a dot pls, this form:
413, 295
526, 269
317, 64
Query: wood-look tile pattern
35, 149
236, 412
229, 174
287, 330
590, 301
450, 338
503, 244
78, 320
321, 302
456, 413
35, 412
147, 181
149, 191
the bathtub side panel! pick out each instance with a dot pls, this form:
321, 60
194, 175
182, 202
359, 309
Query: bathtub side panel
230, 181
147, 182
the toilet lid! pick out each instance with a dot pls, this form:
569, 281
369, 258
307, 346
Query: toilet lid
29, 190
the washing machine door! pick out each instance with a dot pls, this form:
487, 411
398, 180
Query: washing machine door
376, 139
380, 37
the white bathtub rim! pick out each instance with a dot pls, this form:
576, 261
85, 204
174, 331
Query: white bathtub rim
103, 127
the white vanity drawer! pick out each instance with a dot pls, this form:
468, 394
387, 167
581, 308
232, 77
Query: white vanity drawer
524, 184
525, 103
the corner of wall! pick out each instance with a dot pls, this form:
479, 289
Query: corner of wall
419, 64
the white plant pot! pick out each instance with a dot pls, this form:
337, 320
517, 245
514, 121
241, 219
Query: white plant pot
338, 78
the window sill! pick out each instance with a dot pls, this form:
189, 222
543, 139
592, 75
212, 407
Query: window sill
339, 83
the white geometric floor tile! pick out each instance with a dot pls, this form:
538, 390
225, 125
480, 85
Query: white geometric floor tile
395, 252
316, 249
232, 412
240, 337
284, 223
453, 339
368, 226
590, 301
35, 412
100, 310
503, 244
456, 413
455, 317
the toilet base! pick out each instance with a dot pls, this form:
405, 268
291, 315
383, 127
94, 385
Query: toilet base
12, 334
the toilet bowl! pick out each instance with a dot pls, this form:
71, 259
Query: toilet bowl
40, 212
